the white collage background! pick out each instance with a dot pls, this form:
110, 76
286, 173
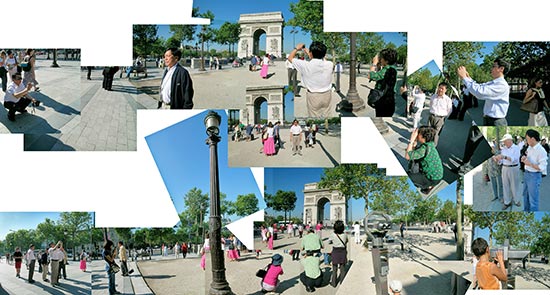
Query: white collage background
102, 182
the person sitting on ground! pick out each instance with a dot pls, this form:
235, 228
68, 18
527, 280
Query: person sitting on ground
312, 242
274, 270
17, 97
488, 274
421, 150
312, 276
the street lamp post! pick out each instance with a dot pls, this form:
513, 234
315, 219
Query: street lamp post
353, 95
219, 285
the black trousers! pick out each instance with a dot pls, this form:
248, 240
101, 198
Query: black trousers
420, 180
310, 282
295, 254
62, 269
472, 142
18, 106
124, 267
31, 270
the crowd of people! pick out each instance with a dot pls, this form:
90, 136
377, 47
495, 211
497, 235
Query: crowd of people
18, 77
270, 136
525, 159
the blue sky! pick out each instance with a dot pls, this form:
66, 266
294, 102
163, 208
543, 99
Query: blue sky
229, 11
23, 220
183, 159
294, 179
488, 48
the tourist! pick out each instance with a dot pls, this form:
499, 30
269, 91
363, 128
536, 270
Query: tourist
11, 64
292, 77
265, 66
316, 76
312, 276
357, 232
269, 145
18, 257
339, 242
176, 87
83, 257
319, 228
269, 236
263, 232
176, 250
276, 134
509, 160
31, 260
493, 173
312, 242
232, 249
123, 256
274, 270
488, 274
184, 250
338, 70
44, 262
205, 249
385, 78
417, 105
17, 97
109, 255
296, 138
536, 161
289, 230
56, 256
536, 93
496, 93
28, 66
63, 263
425, 167
3, 70
441, 107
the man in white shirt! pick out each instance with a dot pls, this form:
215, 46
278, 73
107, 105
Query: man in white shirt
441, 107
509, 159
338, 69
536, 161
56, 257
357, 232
496, 93
292, 77
296, 138
17, 96
31, 260
316, 75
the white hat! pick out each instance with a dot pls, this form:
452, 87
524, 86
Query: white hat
396, 286
507, 136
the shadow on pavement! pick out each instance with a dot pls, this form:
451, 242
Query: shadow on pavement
329, 156
26, 123
158, 277
44, 142
58, 107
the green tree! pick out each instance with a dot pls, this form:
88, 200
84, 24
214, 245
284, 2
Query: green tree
425, 209
172, 42
368, 45
447, 212
519, 228
541, 244
483, 219
281, 201
125, 234
402, 54
424, 79
49, 232
76, 226
196, 204
144, 38
228, 34
308, 16
360, 181
457, 54
246, 204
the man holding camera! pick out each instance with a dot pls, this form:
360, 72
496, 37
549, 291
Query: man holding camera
316, 76
17, 96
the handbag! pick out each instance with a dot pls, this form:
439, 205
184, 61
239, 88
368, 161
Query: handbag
114, 268
262, 271
531, 106
374, 96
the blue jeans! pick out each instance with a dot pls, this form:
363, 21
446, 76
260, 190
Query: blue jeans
496, 182
112, 287
531, 188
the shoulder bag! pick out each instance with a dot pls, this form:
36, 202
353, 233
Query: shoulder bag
530, 106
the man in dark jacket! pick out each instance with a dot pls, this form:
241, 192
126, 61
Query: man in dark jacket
176, 88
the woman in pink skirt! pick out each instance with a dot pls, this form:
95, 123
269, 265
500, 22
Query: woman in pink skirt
83, 257
205, 248
233, 253
269, 240
269, 145
265, 66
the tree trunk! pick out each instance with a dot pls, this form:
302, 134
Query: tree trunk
459, 221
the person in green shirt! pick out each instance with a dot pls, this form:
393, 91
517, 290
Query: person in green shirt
312, 276
311, 242
421, 149
385, 78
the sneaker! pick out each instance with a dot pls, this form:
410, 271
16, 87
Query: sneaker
131, 271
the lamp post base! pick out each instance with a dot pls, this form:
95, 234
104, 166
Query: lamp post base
357, 102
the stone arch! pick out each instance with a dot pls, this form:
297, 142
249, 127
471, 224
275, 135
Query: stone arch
253, 25
314, 201
256, 95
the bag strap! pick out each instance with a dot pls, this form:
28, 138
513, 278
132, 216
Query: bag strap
338, 236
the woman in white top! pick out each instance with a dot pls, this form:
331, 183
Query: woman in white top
11, 64
3, 70
535, 92
265, 66
417, 105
